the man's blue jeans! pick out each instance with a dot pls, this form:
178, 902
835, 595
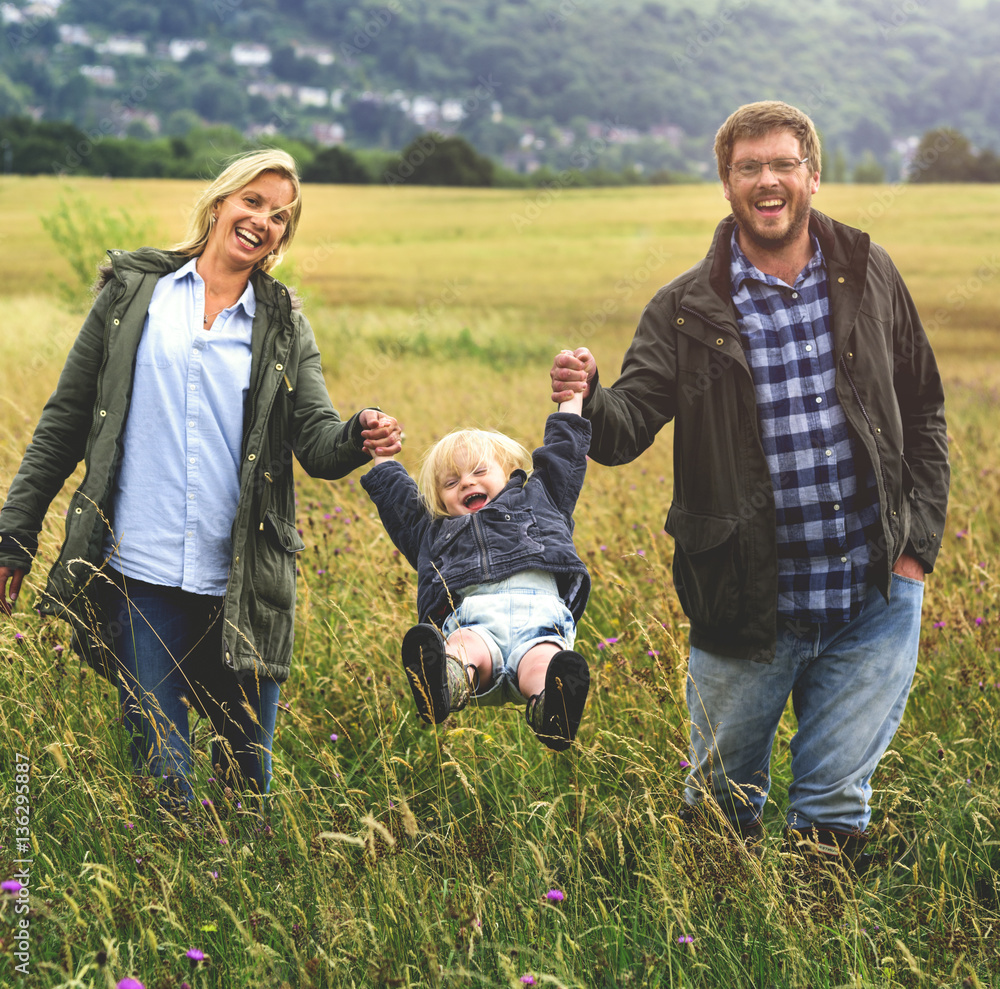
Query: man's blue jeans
848, 684
169, 648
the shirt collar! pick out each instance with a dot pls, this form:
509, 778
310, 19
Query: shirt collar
741, 269
248, 300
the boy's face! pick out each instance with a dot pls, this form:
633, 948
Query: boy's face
466, 490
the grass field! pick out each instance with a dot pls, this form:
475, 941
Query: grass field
403, 856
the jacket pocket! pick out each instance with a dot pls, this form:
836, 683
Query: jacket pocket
707, 571
274, 575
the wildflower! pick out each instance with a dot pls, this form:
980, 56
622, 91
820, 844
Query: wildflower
979, 621
939, 624
195, 956
334, 737
58, 650
129, 983
206, 802
961, 534
684, 764
18, 636
685, 939
555, 896
528, 980
11, 886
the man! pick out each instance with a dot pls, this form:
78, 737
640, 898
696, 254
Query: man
810, 483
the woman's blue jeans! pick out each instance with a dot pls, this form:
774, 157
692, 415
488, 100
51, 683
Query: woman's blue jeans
169, 648
848, 683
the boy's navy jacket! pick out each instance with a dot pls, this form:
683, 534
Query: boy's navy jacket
529, 526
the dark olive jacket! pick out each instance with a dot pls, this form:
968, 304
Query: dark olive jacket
288, 412
686, 364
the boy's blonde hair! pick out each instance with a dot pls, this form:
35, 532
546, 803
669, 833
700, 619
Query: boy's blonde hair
461, 449
240, 172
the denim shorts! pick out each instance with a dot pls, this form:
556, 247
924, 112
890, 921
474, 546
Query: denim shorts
511, 616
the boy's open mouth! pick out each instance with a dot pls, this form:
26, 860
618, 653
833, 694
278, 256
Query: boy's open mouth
475, 501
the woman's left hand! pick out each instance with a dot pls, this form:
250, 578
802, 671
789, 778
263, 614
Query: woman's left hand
381, 433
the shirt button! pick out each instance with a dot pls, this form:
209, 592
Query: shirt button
192, 387
819, 400
795, 295
836, 508
191, 424
843, 559
809, 347
192, 460
829, 453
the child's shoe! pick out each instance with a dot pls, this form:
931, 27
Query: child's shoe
554, 714
439, 682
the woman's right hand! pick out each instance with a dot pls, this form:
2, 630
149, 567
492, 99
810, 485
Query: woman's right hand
14, 577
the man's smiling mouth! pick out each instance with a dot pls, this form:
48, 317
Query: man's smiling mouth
769, 205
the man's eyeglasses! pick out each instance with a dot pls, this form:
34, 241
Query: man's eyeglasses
778, 166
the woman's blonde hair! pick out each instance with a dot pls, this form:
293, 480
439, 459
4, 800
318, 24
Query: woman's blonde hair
240, 172
461, 449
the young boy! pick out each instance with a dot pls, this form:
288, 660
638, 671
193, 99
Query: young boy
496, 572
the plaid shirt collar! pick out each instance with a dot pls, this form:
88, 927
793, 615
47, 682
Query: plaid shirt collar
741, 268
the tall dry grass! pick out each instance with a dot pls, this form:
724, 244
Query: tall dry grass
397, 855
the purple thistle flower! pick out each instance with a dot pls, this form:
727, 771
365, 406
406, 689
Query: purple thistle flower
555, 896
334, 737
684, 764
939, 624
18, 636
129, 983
528, 980
685, 939
11, 886
195, 956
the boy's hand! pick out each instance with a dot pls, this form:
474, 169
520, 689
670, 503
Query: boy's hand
381, 434
571, 374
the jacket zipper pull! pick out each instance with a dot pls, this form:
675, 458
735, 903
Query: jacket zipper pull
265, 499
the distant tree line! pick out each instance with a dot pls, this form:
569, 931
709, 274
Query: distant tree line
30, 147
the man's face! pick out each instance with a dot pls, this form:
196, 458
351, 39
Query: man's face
772, 210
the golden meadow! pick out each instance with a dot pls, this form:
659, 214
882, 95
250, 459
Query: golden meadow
398, 855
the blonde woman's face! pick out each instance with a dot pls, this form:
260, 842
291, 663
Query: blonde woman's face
467, 490
251, 222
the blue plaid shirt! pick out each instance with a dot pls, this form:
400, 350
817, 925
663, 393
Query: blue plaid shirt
823, 506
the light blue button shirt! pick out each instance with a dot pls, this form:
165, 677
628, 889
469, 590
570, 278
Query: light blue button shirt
176, 491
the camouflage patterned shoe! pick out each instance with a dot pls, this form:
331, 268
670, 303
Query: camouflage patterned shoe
554, 714
439, 682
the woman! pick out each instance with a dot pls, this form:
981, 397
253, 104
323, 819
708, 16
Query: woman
192, 383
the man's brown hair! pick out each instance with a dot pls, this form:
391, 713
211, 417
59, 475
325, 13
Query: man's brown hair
758, 119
